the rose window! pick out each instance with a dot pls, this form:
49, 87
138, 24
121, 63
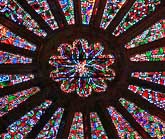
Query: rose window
82, 67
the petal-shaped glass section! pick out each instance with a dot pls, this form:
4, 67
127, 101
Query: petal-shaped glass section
10, 102
86, 10
110, 11
151, 124
50, 130
10, 80
125, 131
8, 37
155, 77
12, 10
42, 8
20, 128
82, 67
9, 58
97, 130
154, 97
152, 56
68, 9
77, 131
155, 32
139, 10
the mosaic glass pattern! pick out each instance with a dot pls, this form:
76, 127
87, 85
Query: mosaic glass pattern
82, 68
68, 9
10, 102
111, 9
42, 8
154, 97
125, 131
12, 10
86, 10
139, 10
155, 77
151, 124
155, 32
10, 80
9, 58
76, 131
97, 130
22, 127
51, 128
153, 55
7, 37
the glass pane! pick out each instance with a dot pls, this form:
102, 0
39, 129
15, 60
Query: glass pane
50, 130
22, 127
68, 9
97, 130
10, 102
153, 55
42, 8
111, 9
151, 124
125, 131
7, 37
154, 97
9, 58
139, 10
12, 10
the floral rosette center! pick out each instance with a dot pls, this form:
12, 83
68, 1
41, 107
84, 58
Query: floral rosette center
82, 68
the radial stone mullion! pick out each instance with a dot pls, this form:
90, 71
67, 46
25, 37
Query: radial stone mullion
151, 85
57, 12
16, 50
43, 121
23, 108
65, 124
34, 15
147, 66
21, 31
142, 25
132, 121
146, 47
17, 68
106, 121
87, 125
77, 12
144, 104
18, 87
118, 18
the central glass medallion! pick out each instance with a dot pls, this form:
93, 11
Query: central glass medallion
82, 68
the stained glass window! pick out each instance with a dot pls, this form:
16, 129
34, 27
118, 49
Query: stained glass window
151, 124
50, 130
12, 10
20, 128
86, 10
152, 96
139, 10
9, 102
155, 32
67, 7
97, 130
42, 8
9, 80
155, 77
153, 55
111, 9
82, 67
76, 131
9, 58
125, 131
7, 37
